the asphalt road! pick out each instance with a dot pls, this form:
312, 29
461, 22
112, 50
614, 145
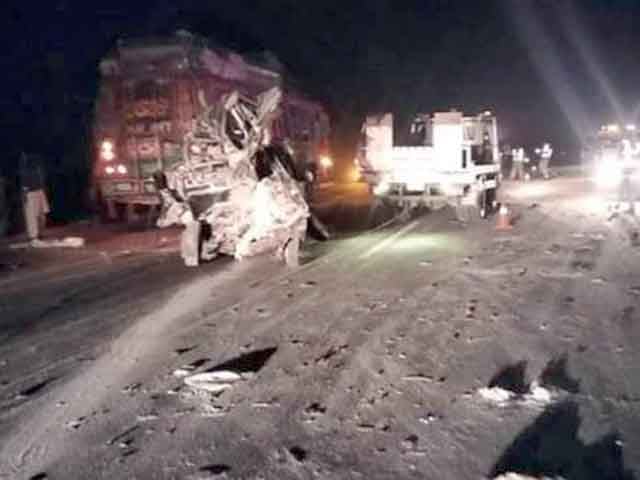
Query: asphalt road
372, 360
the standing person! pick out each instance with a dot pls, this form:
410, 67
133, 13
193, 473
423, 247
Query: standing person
4, 207
487, 150
517, 169
506, 159
545, 158
35, 204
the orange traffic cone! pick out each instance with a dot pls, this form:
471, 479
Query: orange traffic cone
504, 222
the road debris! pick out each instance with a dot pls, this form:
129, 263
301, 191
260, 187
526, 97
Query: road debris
496, 395
418, 378
132, 388
509, 385
410, 443
428, 419
217, 469
150, 417
66, 242
635, 290
39, 476
33, 389
189, 368
517, 476
122, 435
298, 453
75, 424
213, 382
313, 412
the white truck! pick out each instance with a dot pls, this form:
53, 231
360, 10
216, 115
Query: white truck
451, 159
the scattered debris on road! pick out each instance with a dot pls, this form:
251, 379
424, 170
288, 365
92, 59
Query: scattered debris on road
509, 386
39, 476
75, 424
517, 476
217, 469
123, 435
67, 242
213, 382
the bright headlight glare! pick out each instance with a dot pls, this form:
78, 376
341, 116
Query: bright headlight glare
608, 174
381, 188
326, 162
107, 150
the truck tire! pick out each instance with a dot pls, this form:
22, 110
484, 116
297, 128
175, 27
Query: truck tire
485, 202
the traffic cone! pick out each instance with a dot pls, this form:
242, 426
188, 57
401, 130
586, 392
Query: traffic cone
504, 222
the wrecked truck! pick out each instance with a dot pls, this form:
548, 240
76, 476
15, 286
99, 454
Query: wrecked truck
237, 193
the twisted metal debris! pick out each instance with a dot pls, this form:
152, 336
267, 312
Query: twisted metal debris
235, 192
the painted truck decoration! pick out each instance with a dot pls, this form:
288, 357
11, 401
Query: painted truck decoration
452, 159
148, 100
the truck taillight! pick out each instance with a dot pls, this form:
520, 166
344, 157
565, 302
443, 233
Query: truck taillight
119, 169
107, 150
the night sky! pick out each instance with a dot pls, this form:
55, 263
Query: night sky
550, 69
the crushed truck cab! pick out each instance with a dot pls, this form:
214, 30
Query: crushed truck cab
451, 159
235, 193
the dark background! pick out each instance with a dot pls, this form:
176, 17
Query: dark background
550, 69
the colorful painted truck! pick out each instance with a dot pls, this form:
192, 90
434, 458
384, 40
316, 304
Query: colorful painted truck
150, 92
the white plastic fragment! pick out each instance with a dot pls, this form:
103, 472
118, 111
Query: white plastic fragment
538, 395
213, 382
67, 242
496, 395
518, 476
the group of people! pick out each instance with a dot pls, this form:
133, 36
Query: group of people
520, 160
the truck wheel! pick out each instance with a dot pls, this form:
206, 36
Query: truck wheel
107, 211
131, 216
485, 203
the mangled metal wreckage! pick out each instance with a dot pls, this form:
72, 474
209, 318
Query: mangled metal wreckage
235, 192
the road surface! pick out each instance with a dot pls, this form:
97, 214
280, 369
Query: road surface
423, 349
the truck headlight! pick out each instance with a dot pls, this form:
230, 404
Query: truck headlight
608, 174
326, 162
381, 188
